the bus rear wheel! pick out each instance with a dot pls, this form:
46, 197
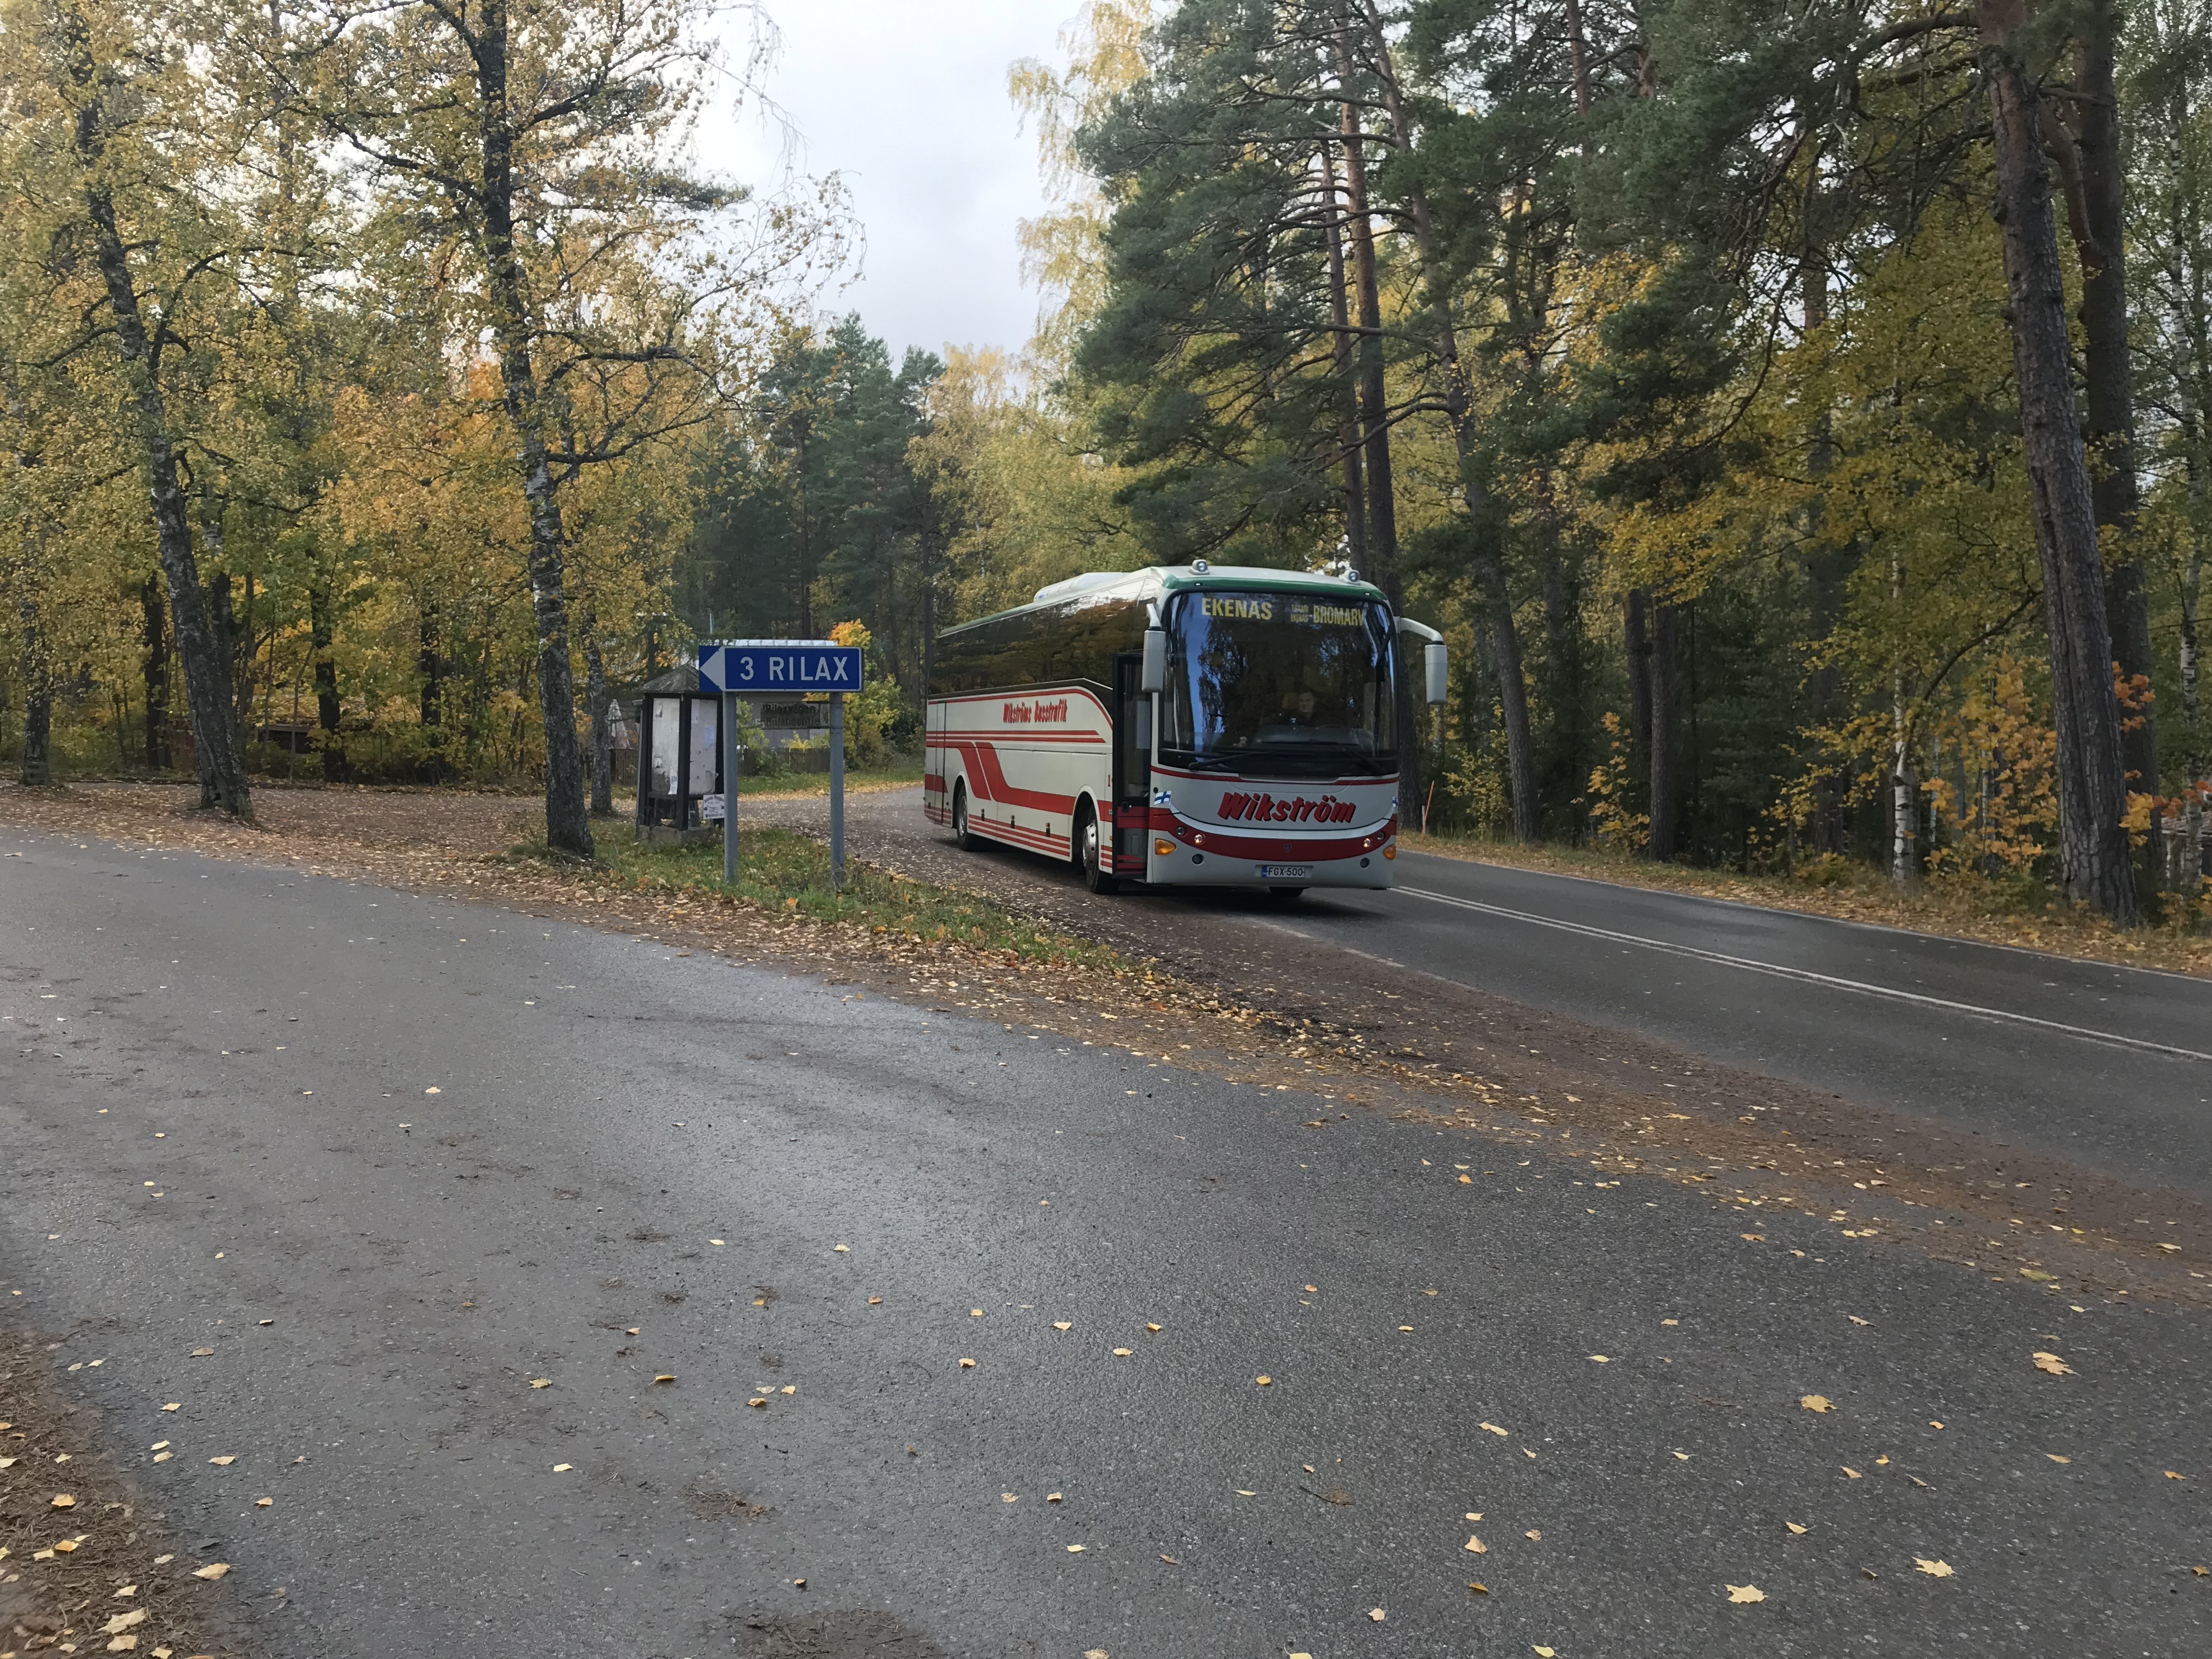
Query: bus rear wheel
1090, 854
963, 837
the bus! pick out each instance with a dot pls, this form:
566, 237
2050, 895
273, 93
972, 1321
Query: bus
1181, 725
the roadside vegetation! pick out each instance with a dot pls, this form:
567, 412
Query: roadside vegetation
787, 873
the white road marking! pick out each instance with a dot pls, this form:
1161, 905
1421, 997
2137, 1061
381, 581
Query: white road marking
1807, 976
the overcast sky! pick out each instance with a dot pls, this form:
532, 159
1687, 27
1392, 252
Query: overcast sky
907, 99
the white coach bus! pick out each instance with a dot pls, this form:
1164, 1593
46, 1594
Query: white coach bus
1182, 725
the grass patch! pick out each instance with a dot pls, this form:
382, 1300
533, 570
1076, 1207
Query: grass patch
785, 873
893, 774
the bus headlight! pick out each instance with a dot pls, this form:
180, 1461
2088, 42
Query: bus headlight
1163, 847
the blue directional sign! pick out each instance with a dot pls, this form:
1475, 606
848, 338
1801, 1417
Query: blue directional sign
785, 667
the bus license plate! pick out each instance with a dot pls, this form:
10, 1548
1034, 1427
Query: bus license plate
1285, 871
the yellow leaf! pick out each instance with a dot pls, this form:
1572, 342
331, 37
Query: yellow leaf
541, 1382
1377, 1615
1063, 1324
263, 1502
562, 1468
1796, 1530
841, 1249
1263, 1381
1075, 1549
213, 1570
1816, 1402
1534, 1536
122, 1621
1476, 1546
1932, 1569
1052, 1498
64, 1501
1746, 1592
202, 1353
2056, 1458
1602, 1358
1122, 1354
2052, 1364
1153, 1328
1546, 1653
1492, 1427
967, 1365
789, 1388
1466, 1180
1849, 1470
757, 1403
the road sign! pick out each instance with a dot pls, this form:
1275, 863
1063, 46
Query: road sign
787, 667
756, 668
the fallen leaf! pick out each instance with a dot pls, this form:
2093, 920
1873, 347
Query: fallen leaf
122, 1644
174, 1405
1263, 1381
1008, 1497
541, 1382
1377, 1615
666, 1376
263, 1502
1075, 1549
1122, 1354
1816, 1402
1932, 1569
562, 1468
716, 1241
2056, 1458
1492, 1427
841, 1249
1534, 1536
757, 1403
122, 1621
1602, 1358
1480, 1589
64, 1501
66, 1547
1052, 1498
875, 1302
1795, 1531
202, 1353
213, 1570
1855, 1320
2052, 1364
1746, 1592
265, 1322
967, 1365
974, 1313
224, 1461
1172, 1562
1683, 1455
433, 1090
1466, 1180
1755, 1239
1476, 1546
1063, 1324
1240, 1492
2172, 1475
788, 1388
1546, 1653
1314, 1289
1153, 1328
1849, 1470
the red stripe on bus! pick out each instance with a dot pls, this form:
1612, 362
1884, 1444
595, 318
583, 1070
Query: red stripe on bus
988, 781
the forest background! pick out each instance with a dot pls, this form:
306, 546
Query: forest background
1793, 414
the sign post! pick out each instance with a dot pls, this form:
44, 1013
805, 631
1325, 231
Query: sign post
779, 668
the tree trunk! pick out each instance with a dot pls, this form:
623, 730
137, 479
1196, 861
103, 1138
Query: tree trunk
216, 750
155, 671
1637, 644
1381, 500
328, 705
1664, 785
567, 827
2091, 784
596, 699
38, 766
1347, 438
2109, 374
1486, 554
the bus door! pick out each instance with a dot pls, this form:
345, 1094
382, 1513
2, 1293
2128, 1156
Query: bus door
1133, 762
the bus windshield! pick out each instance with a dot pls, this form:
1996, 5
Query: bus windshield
1286, 685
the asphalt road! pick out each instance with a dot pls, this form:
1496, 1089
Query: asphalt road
215, 1108
2106, 1067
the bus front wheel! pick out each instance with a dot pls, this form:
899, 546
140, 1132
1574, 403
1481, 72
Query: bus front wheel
961, 837
1092, 856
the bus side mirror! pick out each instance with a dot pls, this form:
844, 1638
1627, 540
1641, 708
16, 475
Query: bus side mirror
1433, 660
1155, 675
